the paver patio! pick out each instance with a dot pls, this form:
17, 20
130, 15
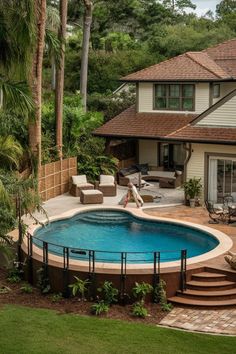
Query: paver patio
210, 321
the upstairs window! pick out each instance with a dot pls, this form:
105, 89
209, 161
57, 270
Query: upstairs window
174, 97
216, 90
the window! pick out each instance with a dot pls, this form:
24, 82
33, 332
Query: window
216, 90
221, 178
174, 97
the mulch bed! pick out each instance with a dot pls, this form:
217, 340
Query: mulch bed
72, 305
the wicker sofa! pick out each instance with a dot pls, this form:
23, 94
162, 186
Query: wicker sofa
141, 173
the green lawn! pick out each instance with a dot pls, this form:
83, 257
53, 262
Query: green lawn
31, 331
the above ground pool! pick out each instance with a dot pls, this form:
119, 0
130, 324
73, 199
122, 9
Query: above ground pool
110, 232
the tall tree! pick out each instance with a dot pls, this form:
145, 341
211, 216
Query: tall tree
88, 10
36, 80
226, 7
60, 77
179, 5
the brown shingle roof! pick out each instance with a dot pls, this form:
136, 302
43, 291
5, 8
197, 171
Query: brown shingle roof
210, 64
205, 134
225, 50
143, 125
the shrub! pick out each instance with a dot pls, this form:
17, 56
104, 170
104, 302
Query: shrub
27, 289
80, 287
139, 310
109, 292
14, 275
43, 281
56, 297
141, 290
160, 296
99, 308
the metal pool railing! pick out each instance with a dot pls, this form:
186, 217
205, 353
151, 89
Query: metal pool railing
95, 257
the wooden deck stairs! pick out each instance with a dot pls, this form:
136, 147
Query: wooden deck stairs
208, 289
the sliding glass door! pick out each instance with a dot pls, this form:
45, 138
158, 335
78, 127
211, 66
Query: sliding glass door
221, 178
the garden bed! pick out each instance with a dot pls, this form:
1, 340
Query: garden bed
71, 305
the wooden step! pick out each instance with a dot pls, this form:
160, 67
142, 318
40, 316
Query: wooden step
208, 295
207, 276
206, 286
195, 302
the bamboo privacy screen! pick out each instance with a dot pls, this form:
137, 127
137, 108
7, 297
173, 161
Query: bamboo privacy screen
54, 177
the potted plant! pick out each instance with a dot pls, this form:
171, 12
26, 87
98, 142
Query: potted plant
192, 189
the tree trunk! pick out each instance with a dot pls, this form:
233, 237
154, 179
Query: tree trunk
85, 51
60, 78
36, 80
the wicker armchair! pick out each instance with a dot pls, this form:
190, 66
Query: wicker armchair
79, 183
107, 185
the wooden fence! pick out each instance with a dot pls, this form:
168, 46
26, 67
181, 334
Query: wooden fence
54, 177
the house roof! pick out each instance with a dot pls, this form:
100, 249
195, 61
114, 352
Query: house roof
202, 134
215, 63
129, 123
208, 65
193, 131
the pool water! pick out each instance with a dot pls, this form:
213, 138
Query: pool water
111, 232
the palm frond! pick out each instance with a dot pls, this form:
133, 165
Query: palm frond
4, 196
16, 96
10, 151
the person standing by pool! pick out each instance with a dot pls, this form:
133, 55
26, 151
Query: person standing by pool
132, 192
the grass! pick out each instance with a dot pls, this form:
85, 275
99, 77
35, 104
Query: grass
37, 331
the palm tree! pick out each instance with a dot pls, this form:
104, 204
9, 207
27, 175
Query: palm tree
60, 77
85, 51
16, 38
36, 80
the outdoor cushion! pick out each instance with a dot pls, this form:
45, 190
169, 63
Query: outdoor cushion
106, 184
128, 171
107, 180
143, 168
80, 179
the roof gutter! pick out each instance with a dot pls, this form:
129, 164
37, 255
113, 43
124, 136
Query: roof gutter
166, 139
178, 80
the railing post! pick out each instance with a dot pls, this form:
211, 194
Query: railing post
123, 277
30, 257
183, 270
66, 271
92, 274
45, 260
156, 271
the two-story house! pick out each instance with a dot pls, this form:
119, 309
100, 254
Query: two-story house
184, 117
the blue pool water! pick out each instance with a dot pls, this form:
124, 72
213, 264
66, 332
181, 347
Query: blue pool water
111, 232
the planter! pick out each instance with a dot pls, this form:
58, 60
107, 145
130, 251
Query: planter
192, 203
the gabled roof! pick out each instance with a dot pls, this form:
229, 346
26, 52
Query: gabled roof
214, 107
224, 54
193, 131
190, 133
129, 123
208, 65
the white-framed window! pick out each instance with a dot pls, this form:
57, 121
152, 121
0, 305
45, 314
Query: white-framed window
221, 177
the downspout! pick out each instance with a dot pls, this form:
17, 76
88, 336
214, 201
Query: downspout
189, 154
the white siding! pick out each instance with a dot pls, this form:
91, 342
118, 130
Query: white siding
202, 99
146, 91
148, 150
225, 115
196, 164
145, 97
225, 88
